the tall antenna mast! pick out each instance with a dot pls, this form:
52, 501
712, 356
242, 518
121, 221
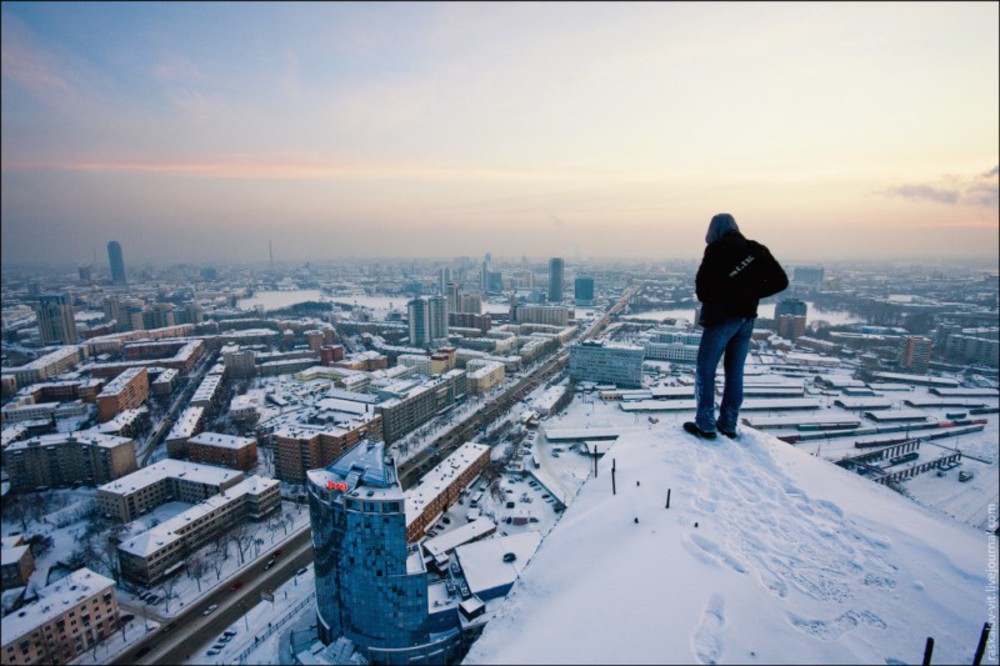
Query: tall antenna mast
270, 249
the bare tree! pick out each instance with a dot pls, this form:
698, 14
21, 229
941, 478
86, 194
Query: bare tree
217, 560
197, 566
167, 588
243, 537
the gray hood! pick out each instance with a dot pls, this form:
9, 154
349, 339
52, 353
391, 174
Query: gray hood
720, 225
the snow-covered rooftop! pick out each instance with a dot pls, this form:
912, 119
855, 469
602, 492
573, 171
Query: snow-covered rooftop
433, 481
168, 468
89, 437
53, 601
766, 555
167, 532
222, 440
440, 545
485, 564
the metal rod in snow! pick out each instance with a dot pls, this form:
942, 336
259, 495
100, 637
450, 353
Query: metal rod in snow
613, 490
978, 659
668, 499
595, 460
928, 650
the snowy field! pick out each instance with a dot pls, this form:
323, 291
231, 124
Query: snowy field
766, 555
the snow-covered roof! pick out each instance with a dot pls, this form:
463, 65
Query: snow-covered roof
483, 561
53, 601
186, 423
435, 480
440, 545
222, 440
90, 437
170, 468
766, 555
152, 540
764, 404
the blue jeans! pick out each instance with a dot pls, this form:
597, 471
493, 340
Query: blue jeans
732, 338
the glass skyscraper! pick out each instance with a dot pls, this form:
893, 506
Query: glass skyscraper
370, 587
117, 262
556, 266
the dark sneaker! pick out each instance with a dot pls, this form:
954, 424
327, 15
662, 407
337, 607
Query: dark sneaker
690, 427
731, 434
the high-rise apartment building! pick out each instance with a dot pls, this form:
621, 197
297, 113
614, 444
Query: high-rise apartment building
791, 306
790, 318
371, 587
56, 322
583, 291
444, 277
117, 262
418, 316
451, 293
556, 268
915, 352
811, 275
437, 317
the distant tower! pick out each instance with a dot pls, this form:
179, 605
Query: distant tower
790, 318
437, 317
444, 277
583, 291
484, 273
117, 262
56, 322
418, 314
371, 586
556, 267
270, 252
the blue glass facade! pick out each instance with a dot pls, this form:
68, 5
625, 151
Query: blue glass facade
368, 587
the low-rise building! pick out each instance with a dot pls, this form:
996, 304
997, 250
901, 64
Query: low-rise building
187, 425
17, 562
65, 459
441, 487
606, 363
225, 450
69, 617
167, 480
159, 552
126, 391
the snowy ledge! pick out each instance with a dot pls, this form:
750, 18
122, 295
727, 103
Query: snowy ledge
793, 560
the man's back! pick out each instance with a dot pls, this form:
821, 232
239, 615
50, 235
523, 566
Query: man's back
734, 275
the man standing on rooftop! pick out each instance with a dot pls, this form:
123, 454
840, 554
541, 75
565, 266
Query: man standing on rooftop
734, 275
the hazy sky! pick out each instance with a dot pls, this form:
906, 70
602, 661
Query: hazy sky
199, 132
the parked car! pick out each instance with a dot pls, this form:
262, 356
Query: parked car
235, 586
210, 609
301, 571
213, 652
143, 651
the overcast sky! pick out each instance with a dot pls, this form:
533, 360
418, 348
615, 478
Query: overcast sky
199, 132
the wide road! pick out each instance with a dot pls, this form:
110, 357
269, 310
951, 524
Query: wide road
194, 632
205, 364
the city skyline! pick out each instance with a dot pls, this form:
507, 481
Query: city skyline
202, 132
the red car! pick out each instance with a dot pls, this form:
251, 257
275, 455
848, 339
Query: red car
235, 586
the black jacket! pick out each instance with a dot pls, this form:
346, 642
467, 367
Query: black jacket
734, 275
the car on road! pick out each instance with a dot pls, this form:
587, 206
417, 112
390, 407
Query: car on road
235, 586
143, 651
210, 609
169, 626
